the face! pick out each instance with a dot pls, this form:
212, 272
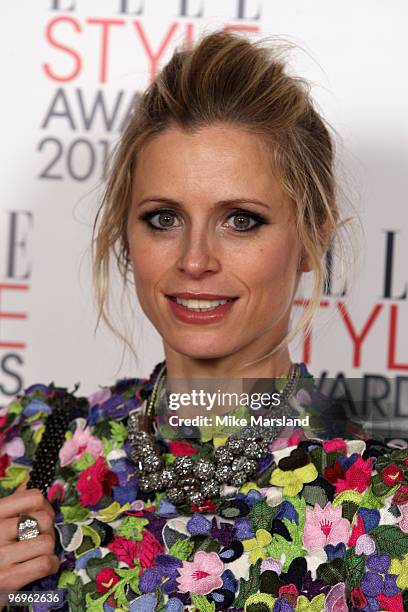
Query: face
213, 244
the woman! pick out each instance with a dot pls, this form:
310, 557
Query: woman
220, 197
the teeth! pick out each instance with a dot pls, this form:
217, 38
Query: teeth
200, 305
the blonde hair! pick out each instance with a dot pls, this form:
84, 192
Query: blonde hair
226, 78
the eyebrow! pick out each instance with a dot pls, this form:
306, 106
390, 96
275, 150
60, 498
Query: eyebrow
229, 202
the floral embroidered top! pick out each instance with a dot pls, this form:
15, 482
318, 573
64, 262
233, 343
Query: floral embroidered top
323, 526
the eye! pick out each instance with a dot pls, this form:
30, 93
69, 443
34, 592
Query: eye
244, 221
162, 220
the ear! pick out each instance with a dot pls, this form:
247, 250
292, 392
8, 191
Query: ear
325, 235
304, 263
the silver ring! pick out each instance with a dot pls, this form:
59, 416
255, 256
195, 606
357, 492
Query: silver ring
27, 528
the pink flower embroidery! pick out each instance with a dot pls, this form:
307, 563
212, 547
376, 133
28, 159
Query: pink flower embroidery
125, 550
324, 526
179, 447
94, 482
336, 444
81, 441
403, 525
15, 448
357, 531
357, 477
202, 575
56, 493
100, 396
4, 464
106, 579
3, 411
149, 549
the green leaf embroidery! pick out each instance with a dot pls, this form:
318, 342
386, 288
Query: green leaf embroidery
66, 578
261, 515
319, 459
355, 566
371, 501
280, 545
107, 446
182, 549
111, 512
74, 514
390, 540
250, 586
120, 595
353, 496
202, 604
80, 465
299, 505
95, 605
131, 527
295, 533
294, 548
38, 434
332, 572
89, 532
379, 487
94, 566
128, 572
314, 495
36, 417
134, 583
14, 477
118, 433
161, 605
15, 408
75, 597
203, 542
348, 510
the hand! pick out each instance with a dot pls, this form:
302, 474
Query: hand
29, 560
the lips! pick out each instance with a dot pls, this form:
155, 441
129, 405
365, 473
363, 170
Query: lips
200, 308
195, 295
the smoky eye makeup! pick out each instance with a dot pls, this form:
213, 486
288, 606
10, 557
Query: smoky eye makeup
165, 218
239, 220
244, 216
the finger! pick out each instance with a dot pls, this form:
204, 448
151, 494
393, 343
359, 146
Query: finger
22, 487
18, 552
21, 574
24, 502
9, 527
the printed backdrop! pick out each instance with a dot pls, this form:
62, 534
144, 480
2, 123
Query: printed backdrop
70, 70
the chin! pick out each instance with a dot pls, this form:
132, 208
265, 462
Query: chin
197, 348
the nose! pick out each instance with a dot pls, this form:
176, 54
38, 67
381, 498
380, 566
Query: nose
198, 253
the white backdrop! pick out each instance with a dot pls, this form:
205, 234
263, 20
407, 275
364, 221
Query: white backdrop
69, 71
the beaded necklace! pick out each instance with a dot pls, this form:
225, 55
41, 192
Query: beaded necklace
190, 481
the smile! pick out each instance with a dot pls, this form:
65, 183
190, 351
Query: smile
201, 305
200, 310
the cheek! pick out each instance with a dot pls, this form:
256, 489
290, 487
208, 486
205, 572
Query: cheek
270, 266
143, 263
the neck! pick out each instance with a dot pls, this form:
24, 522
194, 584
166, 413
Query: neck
182, 366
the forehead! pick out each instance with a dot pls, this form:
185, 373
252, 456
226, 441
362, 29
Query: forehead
214, 163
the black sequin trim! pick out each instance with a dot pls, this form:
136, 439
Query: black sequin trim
65, 408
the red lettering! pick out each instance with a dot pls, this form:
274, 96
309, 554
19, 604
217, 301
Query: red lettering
49, 35
189, 38
12, 315
104, 47
358, 339
392, 341
154, 57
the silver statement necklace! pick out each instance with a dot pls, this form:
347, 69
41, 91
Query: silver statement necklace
190, 481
